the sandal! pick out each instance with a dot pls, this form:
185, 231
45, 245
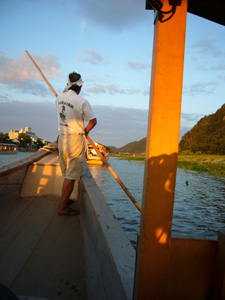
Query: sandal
68, 211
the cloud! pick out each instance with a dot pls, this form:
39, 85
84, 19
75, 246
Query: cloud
111, 89
92, 56
22, 69
201, 68
190, 120
96, 89
116, 126
23, 76
222, 78
208, 47
40, 116
119, 126
208, 54
146, 91
115, 14
114, 89
137, 65
200, 88
83, 25
4, 98
220, 67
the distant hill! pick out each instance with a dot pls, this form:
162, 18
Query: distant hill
112, 148
133, 147
207, 136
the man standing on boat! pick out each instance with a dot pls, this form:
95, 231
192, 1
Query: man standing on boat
72, 111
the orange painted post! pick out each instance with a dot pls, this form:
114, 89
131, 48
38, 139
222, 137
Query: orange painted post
161, 156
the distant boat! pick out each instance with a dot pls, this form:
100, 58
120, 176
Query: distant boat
8, 148
92, 156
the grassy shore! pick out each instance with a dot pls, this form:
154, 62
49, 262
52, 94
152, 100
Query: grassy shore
213, 164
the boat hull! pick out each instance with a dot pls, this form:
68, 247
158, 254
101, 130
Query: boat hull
109, 254
94, 162
196, 266
31, 226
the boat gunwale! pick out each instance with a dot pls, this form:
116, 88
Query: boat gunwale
23, 162
111, 240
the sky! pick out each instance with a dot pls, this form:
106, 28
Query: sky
110, 44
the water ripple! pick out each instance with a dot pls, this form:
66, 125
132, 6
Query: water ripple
199, 207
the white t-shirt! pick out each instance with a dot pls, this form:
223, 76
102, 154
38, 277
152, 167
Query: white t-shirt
72, 111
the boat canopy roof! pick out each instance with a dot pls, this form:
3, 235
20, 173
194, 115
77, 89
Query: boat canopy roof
213, 10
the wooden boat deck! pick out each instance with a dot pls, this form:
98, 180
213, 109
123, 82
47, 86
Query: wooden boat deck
41, 253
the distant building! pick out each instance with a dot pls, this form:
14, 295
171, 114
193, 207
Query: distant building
14, 134
31, 134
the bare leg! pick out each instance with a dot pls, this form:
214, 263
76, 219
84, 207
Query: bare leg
67, 190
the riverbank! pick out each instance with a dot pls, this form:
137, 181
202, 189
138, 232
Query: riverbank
213, 164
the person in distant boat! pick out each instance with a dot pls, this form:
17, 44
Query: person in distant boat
93, 150
72, 111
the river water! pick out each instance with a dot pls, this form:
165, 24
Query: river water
199, 207
6, 159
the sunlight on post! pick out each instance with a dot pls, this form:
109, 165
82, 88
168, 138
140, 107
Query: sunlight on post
168, 184
161, 236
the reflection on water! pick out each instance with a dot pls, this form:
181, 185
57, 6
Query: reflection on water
199, 207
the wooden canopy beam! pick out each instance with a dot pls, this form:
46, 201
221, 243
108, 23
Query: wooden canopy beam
213, 10
161, 156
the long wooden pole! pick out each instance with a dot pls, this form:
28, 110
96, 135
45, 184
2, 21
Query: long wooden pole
114, 174
94, 146
45, 79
